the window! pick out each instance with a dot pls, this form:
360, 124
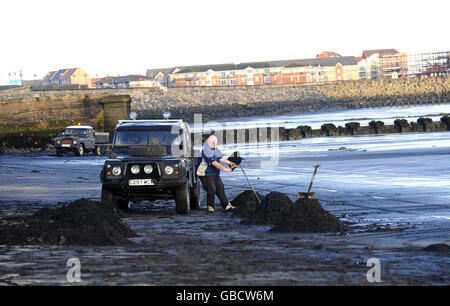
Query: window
233, 82
224, 82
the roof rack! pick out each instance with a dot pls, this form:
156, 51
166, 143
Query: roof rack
137, 121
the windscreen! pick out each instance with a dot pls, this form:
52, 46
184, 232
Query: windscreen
127, 138
76, 132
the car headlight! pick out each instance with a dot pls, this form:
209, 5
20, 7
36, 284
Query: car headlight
135, 169
74, 142
58, 142
168, 170
148, 169
117, 170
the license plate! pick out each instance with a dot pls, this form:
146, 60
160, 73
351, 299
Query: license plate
65, 145
145, 182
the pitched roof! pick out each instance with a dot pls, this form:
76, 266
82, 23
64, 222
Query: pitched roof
204, 68
48, 77
135, 78
57, 76
68, 73
324, 62
152, 73
367, 53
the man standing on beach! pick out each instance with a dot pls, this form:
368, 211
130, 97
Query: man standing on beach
212, 182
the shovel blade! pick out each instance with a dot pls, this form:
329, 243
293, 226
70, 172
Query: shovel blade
307, 195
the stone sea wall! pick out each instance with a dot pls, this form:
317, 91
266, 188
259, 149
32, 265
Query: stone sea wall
33, 114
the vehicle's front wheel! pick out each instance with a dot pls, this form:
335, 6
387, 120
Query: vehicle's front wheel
80, 150
97, 151
182, 199
59, 153
108, 196
195, 196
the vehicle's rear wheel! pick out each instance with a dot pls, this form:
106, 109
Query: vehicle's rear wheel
123, 204
97, 151
108, 196
80, 150
195, 196
182, 199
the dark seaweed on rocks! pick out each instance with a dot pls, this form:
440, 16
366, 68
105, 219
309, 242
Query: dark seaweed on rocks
272, 209
308, 216
82, 222
246, 203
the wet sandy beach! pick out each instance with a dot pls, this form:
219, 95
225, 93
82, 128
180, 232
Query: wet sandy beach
393, 191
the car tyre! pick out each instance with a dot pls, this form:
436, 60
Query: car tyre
80, 150
182, 199
195, 196
108, 196
98, 151
123, 204
59, 153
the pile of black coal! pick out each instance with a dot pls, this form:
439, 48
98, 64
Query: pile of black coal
303, 216
440, 248
272, 209
308, 216
82, 222
245, 203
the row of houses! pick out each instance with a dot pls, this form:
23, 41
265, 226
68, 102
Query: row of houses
326, 66
78, 78
75, 77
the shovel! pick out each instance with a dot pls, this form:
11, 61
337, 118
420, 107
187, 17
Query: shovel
309, 194
235, 158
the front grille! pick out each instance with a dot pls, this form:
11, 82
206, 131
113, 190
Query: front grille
65, 141
142, 175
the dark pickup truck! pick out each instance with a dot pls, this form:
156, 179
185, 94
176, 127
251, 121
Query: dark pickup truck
149, 160
81, 139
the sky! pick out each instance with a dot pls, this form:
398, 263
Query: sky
116, 37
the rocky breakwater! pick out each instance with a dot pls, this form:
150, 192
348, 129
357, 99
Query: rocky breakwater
327, 130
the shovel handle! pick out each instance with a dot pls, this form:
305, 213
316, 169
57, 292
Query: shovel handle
312, 179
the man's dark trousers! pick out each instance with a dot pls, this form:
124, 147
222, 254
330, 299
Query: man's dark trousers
214, 186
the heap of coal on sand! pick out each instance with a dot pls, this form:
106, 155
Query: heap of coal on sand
82, 222
245, 203
277, 209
